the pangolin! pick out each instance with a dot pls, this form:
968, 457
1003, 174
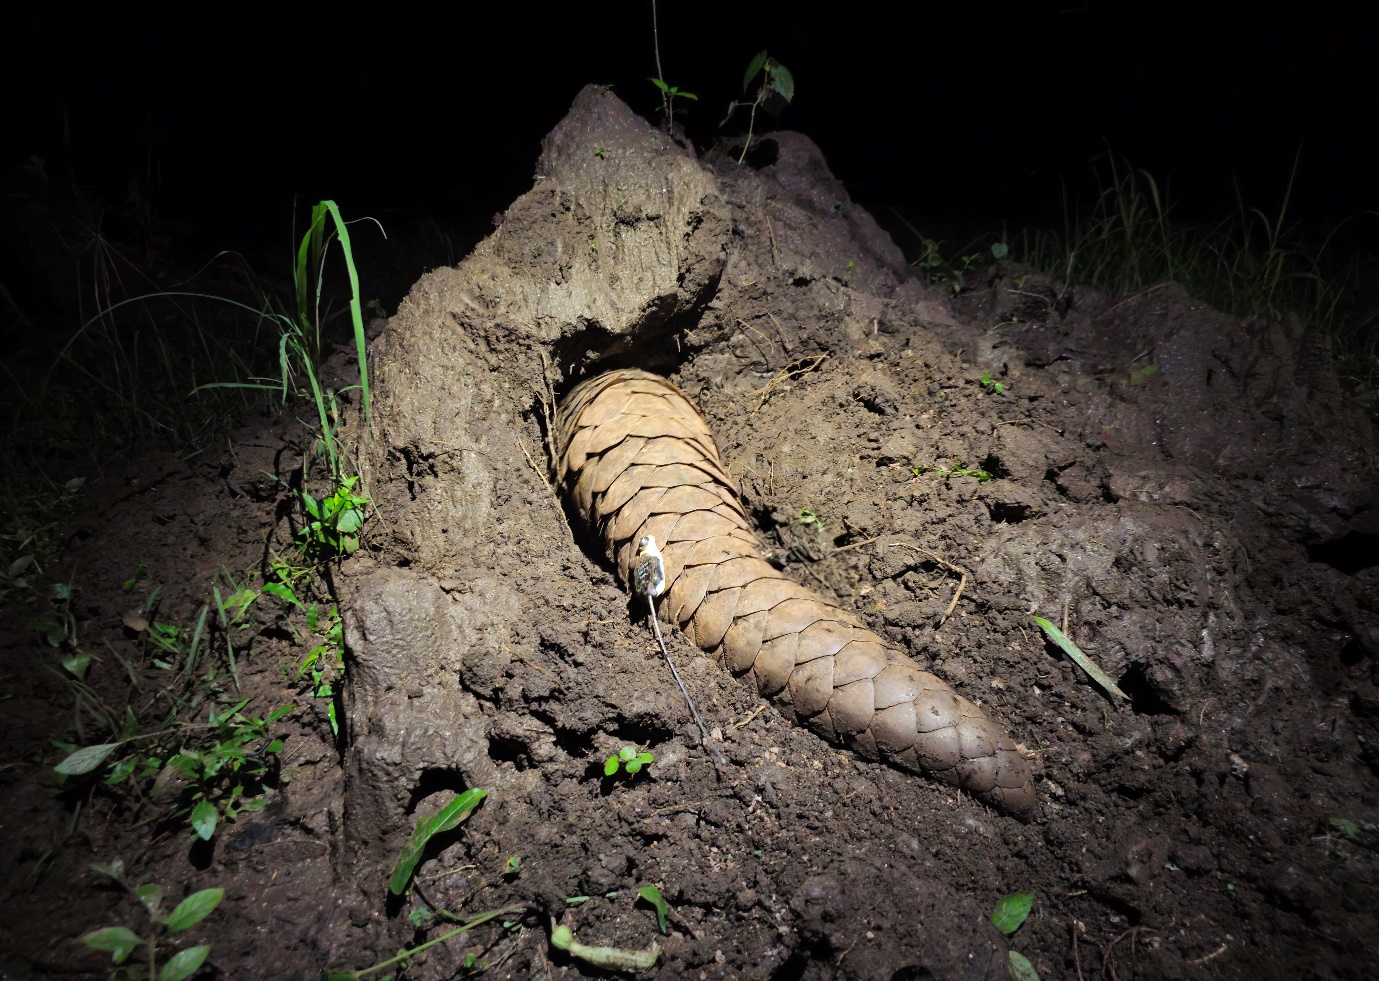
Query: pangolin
637, 458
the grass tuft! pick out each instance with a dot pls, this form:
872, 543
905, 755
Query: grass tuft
1246, 264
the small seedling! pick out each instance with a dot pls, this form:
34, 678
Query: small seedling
777, 86
448, 817
1009, 915
120, 941
1011, 911
628, 759
1143, 373
140, 572
652, 895
810, 520
513, 865
1351, 830
990, 383
576, 900
669, 93
960, 470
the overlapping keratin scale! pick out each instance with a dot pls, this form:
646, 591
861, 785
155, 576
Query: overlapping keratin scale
637, 458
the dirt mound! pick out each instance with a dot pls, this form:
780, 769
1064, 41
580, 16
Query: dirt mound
1187, 492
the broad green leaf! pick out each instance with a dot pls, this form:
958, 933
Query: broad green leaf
120, 772
610, 766
151, 895
350, 521
752, 69
783, 82
1011, 911
283, 593
185, 963
86, 759
76, 665
1082, 660
194, 909
653, 896
118, 942
204, 818
1020, 967
448, 817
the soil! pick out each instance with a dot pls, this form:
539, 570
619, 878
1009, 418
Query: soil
1189, 494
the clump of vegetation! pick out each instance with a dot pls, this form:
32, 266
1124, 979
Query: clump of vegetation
1246, 264
208, 772
120, 942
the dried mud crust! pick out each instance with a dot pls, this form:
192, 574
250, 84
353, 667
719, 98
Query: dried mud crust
1192, 521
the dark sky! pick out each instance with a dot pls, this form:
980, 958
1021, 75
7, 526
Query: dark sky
972, 115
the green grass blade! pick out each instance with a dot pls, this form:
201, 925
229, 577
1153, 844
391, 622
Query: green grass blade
1082, 660
196, 639
356, 308
448, 817
327, 436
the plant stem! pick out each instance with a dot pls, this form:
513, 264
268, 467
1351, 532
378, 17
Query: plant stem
403, 955
751, 122
656, 43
